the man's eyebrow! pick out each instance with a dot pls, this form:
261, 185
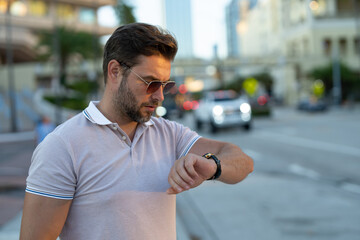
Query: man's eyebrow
152, 78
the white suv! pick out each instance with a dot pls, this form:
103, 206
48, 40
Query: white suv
223, 108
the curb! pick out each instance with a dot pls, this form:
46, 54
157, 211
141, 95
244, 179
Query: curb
17, 137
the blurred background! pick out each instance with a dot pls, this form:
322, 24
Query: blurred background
286, 71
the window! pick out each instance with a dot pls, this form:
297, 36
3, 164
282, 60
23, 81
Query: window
357, 45
342, 46
3, 6
346, 7
65, 11
38, 8
327, 47
87, 15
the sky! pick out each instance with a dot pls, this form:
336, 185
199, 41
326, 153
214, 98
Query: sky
208, 17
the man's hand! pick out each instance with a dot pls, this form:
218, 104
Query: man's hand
189, 172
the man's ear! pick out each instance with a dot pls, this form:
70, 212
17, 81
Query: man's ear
114, 70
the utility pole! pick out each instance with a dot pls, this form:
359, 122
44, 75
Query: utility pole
336, 74
10, 63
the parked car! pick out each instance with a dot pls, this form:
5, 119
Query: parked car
223, 108
312, 105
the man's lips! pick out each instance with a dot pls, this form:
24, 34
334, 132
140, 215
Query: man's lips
150, 107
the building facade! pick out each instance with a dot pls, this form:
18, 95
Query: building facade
297, 36
21, 21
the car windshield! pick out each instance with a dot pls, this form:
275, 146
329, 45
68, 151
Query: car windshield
219, 96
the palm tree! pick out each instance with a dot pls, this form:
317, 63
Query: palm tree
124, 13
70, 43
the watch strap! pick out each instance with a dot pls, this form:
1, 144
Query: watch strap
218, 165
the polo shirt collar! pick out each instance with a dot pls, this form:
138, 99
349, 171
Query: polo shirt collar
93, 114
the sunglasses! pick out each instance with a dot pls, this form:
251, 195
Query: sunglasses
153, 86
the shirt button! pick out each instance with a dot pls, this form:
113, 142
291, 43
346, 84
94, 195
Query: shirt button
123, 137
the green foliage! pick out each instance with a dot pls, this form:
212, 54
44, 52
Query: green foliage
79, 97
264, 78
68, 43
350, 80
124, 13
84, 86
75, 103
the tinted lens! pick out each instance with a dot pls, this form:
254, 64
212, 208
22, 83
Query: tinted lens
168, 87
153, 87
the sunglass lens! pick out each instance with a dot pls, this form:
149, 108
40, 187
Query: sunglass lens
168, 87
153, 87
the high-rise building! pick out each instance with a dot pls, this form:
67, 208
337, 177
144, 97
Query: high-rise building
235, 12
178, 21
232, 19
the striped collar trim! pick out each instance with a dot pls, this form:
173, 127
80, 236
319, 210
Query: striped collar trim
93, 114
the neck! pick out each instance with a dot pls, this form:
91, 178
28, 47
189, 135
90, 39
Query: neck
126, 124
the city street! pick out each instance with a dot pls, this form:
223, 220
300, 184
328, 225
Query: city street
306, 183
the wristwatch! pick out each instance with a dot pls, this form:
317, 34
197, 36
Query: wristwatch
218, 165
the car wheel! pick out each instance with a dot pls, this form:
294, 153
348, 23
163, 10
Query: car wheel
198, 124
213, 128
247, 126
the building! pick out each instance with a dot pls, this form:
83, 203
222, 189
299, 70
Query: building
26, 18
232, 19
289, 38
174, 11
21, 21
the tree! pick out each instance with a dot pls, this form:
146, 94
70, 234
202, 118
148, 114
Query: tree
124, 13
263, 78
350, 82
70, 43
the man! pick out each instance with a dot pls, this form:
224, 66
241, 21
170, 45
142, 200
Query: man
113, 171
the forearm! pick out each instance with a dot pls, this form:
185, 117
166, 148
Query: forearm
235, 164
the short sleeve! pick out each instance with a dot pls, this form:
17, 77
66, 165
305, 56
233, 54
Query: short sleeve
51, 172
185, 138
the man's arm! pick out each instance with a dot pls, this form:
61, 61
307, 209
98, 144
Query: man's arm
191, 170
43, 217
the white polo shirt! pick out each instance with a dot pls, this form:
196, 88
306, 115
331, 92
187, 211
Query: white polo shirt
117, 186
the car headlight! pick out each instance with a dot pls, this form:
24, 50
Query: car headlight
245, 108
217, 110
160, 111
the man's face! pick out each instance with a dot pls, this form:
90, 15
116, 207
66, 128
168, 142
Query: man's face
131, 99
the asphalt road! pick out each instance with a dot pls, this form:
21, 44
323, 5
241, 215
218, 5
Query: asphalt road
322, 146
306, 183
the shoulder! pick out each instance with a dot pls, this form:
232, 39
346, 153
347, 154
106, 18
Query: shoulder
72, 127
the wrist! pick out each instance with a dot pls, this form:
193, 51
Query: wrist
217, 173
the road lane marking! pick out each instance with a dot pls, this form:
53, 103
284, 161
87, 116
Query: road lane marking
17, 137
351, 187
299, 170
308, 143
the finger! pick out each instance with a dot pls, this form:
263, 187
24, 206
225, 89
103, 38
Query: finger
171, 191
189, 166
184, 178
174, 185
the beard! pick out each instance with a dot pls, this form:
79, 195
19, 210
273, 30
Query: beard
126, 104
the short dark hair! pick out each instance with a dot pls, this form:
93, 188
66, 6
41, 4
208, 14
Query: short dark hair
130, 41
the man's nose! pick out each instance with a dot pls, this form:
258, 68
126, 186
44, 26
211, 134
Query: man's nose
159, 94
